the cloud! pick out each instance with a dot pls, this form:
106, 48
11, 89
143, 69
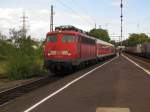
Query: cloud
38, 21
8, 18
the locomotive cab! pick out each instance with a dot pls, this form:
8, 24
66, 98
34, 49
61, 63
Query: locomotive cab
60, 50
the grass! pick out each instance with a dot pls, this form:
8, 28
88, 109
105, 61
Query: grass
3, 68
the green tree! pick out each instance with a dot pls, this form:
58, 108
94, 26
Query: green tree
135, 39
100, 34
113, 42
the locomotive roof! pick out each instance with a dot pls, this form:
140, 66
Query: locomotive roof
82, 34
70, 32
65, 32
103, 42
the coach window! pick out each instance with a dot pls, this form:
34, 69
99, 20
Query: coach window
51, 38
68, 38
84, 40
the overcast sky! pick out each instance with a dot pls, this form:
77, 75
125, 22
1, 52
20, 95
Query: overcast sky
80, 13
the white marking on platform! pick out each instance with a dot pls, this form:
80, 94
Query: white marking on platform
147, 71
112, 109
66, 86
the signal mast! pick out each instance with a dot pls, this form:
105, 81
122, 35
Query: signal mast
121, 6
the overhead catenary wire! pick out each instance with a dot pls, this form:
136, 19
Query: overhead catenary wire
83, 10
76, 13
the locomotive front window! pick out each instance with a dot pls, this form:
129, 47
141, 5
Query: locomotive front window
68, 38
51, 38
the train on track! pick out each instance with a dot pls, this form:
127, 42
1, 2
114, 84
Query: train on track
142, 50
69, 48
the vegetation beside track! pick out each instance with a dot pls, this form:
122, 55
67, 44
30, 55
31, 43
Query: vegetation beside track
20, 56
135, 39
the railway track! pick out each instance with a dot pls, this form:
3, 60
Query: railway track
11, 94
139, 57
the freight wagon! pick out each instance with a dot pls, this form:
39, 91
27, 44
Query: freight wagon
140, 50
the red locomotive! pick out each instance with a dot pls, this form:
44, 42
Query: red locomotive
68, 47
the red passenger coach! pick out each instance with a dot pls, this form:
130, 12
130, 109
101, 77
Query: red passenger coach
69, 47
104, 49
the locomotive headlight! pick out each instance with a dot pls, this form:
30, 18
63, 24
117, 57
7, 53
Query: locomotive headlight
66, 53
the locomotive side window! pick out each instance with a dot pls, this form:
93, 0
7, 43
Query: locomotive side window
88, 40
51, 38
68, 38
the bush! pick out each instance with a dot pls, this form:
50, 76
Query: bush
23, 61
22, 66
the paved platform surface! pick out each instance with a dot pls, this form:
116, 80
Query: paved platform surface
118, 84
